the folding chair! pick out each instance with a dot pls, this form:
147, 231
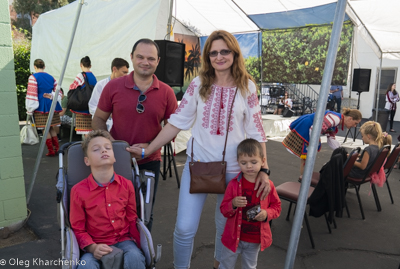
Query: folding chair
289, 191
388, 167
76, 171
357, 182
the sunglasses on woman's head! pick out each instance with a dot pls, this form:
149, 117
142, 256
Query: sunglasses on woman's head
214, 53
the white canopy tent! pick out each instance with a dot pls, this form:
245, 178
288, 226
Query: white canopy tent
108, 29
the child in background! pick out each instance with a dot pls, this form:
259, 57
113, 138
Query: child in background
387, 140
244, 233
103, 208
372, 135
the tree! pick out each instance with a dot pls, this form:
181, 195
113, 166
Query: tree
31, 9
22, 53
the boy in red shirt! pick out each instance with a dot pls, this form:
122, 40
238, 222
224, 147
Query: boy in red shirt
242, 234
103, 208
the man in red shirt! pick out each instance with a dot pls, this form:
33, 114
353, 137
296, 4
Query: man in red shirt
103, 208
139, 103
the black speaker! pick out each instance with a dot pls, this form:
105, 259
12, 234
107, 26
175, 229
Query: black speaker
170, 70
361, 79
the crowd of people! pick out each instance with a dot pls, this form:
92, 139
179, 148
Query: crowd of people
133, 107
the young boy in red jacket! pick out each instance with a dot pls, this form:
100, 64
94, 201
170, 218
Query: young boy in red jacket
245, 233
103, 208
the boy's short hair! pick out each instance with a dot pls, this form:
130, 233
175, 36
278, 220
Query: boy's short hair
91, 135
250, 147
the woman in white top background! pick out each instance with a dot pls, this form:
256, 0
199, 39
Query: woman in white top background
392, 97
205, 108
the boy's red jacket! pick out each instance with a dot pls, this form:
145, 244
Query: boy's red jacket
231, 235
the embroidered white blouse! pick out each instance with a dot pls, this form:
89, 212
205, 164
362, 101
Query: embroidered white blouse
208, 122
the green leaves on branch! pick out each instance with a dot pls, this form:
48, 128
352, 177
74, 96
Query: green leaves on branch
298, 55
22, 54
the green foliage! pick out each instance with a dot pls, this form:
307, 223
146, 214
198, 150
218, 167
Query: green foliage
253, 65
298, 55
22, 53
34, 7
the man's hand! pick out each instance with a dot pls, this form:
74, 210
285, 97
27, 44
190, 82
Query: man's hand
261, 216
239, 201
262, 184
99, 250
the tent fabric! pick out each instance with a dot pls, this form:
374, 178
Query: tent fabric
296, 18
380, 26
106, 30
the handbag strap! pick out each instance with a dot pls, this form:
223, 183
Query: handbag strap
227, 129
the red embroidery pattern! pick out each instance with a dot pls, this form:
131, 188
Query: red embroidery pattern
252, 100
218, 115
207, 108
190, 89
231, 95
31, 92
181, 105
77, 82
258, 121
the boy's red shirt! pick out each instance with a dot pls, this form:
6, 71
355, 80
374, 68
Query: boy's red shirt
104, 215
231, 235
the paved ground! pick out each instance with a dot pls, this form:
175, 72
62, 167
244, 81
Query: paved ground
369, 244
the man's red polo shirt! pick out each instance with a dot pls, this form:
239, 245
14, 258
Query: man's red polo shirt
119, 98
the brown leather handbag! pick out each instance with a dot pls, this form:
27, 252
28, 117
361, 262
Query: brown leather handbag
209, 177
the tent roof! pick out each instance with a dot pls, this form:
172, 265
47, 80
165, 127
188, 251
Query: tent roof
380, 17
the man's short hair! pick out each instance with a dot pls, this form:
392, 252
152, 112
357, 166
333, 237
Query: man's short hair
90, 136
118, 63
146, 41
250, 147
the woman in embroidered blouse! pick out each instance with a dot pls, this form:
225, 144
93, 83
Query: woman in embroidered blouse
39, 95
204, 108
300, 130
392, 97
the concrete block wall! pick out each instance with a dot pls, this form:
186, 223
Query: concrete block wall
12, 187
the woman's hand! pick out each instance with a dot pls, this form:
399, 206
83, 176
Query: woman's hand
262, 184
136, 150
48, 95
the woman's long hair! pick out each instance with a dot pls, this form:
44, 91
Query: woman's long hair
390, 88
238, 70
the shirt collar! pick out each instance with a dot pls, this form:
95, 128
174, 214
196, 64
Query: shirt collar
93, 184
129, 83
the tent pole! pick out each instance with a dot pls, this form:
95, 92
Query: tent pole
261, 64
53, 105
353, 43
315, 134
377, 89
169, 30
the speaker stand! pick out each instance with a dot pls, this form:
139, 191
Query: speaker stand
168, 153
356, 133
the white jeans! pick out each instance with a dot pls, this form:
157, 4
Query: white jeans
190, 207
249, 253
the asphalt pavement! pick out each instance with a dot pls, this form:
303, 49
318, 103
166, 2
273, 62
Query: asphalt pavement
368, 244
